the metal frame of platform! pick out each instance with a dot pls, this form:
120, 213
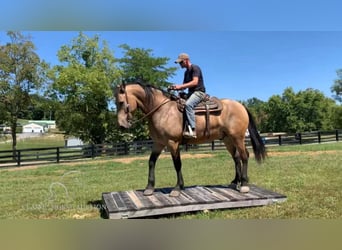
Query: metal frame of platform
133, 204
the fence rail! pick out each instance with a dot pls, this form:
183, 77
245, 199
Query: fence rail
35, 156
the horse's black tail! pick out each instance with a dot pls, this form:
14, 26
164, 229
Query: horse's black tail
257, 143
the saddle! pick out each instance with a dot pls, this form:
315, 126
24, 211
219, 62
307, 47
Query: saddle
207, 106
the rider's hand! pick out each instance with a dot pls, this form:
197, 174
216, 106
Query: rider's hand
172, 87
176, 87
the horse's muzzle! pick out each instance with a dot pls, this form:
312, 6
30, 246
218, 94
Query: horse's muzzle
125, 124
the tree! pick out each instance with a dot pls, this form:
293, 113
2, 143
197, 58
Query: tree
303, 111
21, 71
315, 109
43, 108
139, 63
336, 117
257, 109
83, 84
337, 86
276, 114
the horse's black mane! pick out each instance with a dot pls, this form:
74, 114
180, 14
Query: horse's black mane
148, 86
149, 93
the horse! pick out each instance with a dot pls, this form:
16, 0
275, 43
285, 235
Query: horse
165, 123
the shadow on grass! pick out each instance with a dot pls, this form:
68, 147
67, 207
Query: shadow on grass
99, 204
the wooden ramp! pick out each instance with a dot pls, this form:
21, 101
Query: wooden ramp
133, 204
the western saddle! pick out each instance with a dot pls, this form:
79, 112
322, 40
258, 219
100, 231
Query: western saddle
207, 106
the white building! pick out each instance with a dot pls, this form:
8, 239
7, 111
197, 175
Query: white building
33, 128
50, 124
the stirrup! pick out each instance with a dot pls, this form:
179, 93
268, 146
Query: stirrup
190, 134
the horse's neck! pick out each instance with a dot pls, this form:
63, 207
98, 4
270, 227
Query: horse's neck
142, 102
159, 101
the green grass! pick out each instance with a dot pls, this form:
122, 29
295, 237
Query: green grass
309, 175
46, 140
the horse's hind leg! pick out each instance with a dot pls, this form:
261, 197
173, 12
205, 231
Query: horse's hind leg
244, 155
237, 161
175, 153
156, 150
240, 156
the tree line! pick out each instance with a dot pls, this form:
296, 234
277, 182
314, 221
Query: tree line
78, 91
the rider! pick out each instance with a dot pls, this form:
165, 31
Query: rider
193, 81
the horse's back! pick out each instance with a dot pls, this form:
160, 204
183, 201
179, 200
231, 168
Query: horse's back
234, 107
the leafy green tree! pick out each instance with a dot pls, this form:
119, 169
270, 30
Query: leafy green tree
337, 86
42, 108
139, 63
276, 114
257, 109
303, 111
336, 117
83, 84
316, 110
337, 111
2, 114
21, 71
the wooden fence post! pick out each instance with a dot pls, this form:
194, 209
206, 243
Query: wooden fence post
92, 151
126, 148
18, 157
300, 138
213, 145
336, 131
57, 154
319, 136
279, 140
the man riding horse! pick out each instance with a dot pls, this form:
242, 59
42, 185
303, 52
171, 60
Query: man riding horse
193, 81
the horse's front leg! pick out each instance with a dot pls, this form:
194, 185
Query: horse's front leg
175, 153
156, 150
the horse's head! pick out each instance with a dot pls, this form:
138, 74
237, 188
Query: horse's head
129, 97
124, 110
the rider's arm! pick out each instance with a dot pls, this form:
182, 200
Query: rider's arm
186, 85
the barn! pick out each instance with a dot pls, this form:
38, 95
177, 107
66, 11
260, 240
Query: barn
33, 128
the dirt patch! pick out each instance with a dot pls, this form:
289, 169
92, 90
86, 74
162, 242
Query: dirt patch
18, 168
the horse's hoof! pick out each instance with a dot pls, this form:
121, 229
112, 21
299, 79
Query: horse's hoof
175, 193
244, 189
233, 186
148, 192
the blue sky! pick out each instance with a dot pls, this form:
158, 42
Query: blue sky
236, 64
245, 48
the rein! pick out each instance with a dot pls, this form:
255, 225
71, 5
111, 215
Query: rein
166, 100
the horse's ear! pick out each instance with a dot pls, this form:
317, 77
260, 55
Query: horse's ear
122, 88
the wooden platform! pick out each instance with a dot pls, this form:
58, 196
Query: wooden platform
133, 204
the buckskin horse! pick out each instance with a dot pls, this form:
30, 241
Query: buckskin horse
165, 122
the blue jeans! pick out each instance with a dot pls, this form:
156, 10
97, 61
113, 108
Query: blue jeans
190, 104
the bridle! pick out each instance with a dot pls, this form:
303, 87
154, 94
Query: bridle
126, 103
128, 112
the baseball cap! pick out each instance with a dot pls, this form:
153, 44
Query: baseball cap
181, 57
